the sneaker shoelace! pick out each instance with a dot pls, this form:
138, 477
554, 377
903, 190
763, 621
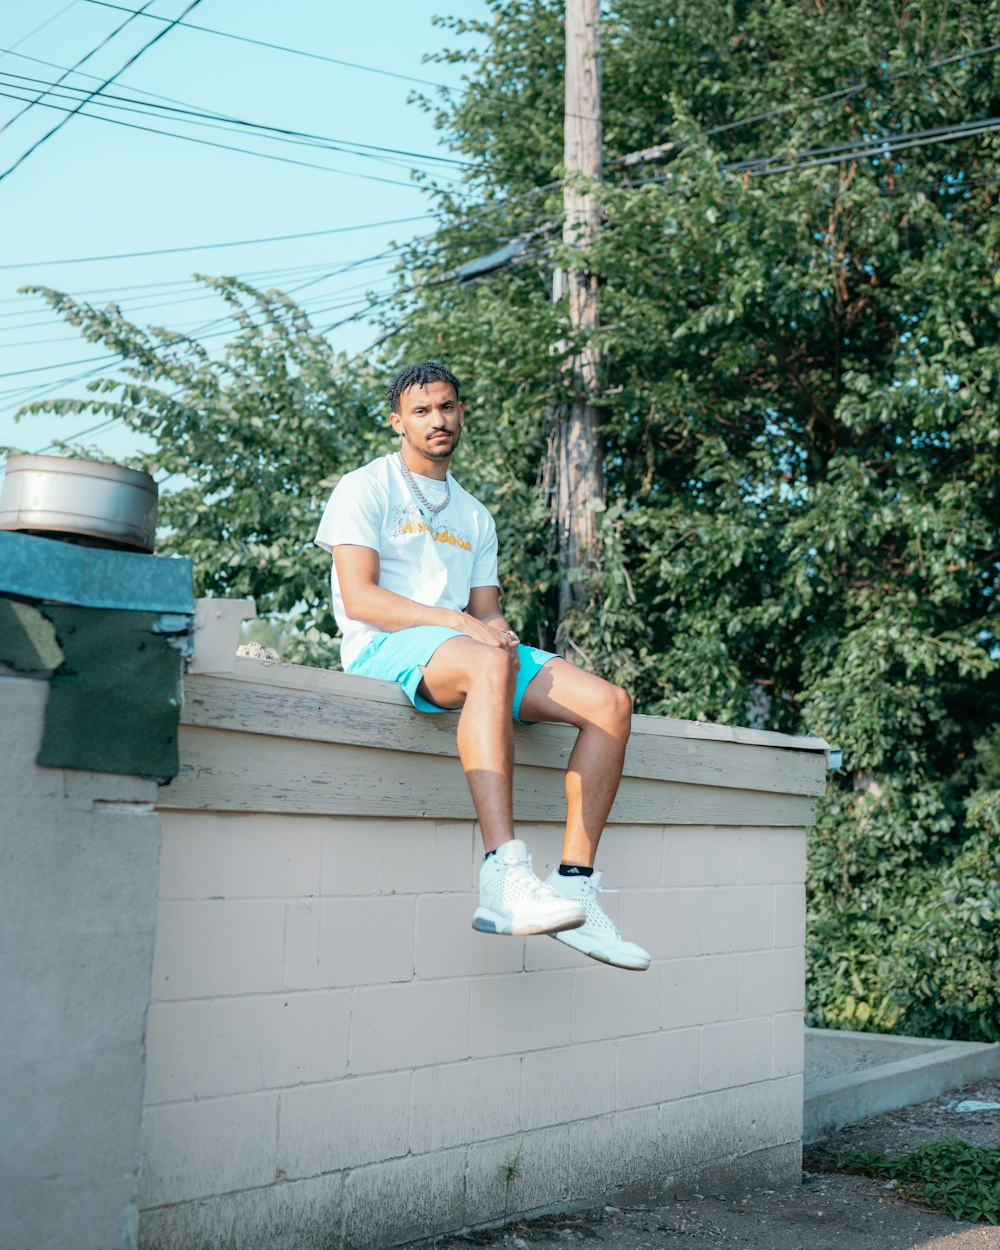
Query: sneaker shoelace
596, 916
520, 882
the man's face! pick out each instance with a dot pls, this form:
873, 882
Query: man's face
429, 420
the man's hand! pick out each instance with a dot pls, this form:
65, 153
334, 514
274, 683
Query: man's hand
495, 632
484, 606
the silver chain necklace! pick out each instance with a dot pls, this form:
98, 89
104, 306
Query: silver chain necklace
418, 494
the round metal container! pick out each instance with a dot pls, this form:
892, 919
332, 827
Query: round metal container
80, 500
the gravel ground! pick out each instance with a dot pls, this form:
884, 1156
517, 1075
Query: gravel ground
828, 1211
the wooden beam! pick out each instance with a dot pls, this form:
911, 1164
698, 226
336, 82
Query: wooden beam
346, 718
222, 771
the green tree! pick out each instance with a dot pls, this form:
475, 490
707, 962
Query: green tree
249, 442
799, 419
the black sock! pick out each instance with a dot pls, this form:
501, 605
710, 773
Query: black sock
489, 853
575, 870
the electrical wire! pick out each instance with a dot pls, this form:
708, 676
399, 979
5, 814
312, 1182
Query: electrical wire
192, 115
107, 82
225, 147
263, 43
845, 92
837, 154
827, 98
66, 72
203, 247
41, 26
139, 290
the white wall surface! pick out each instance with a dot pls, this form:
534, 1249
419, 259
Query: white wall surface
337, 1058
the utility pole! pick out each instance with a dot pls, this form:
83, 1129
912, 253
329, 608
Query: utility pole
576, 446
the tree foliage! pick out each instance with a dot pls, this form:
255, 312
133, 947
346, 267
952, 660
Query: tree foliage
248, 445
800, 426
799, 345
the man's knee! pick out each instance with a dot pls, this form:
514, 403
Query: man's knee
492, 665
619, 703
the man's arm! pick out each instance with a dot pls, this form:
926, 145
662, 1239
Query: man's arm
365, 600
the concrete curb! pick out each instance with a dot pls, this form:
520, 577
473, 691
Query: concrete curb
905, 1070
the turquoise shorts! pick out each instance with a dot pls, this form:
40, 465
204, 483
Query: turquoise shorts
399, 656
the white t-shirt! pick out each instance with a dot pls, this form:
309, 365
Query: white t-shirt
432, 558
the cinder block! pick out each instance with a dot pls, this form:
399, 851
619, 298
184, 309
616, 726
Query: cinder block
458, 1103
699, 991
631, 856
176, 1054
738, 918
610, 1002
565, 1085
349, 941
658, 1067
666, 922
210, 855
543, 953
189, 1148
613, 1153
412, 856
218, 948
772, 982
448, 946
518, 1173
772, 856
285, 1216
788, 1047
526, 1011
700, 855
323, 1128
735, 1053
789, 915
226, 1046
403, 1200
409, 1026
719, 1128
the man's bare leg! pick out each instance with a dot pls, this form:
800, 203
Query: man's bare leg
479, 679
602, 713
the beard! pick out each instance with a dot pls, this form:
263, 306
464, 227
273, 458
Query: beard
442, 451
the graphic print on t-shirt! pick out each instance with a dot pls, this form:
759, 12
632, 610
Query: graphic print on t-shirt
404, 520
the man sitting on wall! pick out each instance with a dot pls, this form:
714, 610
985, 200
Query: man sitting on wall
415, 593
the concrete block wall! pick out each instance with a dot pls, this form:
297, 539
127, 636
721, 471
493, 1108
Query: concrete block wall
336, 1058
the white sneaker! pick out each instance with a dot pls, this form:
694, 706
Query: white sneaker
598, 937
513, 900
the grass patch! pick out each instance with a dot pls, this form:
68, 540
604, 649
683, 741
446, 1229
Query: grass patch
950, 1174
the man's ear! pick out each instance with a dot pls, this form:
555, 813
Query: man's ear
395, 420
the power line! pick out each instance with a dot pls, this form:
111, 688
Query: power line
333, 269
829, 97
192, 113
844, 92
835, 154
106, 40
203, 247
131, 61
225, 147
263, 43
41, 26
858, 148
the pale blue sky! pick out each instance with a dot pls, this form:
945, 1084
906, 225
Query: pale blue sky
95, 189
